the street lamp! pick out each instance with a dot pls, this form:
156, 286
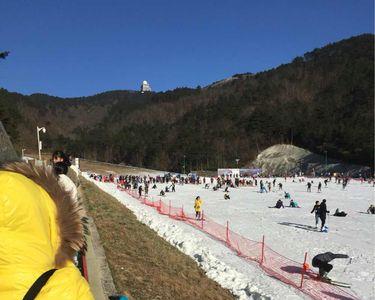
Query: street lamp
43, 129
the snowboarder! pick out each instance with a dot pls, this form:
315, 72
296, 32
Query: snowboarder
319, 187
140, 189
323, 213
322, 260
280, 186
316, 211
198, 207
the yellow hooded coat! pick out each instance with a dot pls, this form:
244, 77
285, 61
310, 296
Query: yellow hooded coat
40, 229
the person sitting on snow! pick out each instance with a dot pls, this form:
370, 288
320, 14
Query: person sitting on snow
279, 204
371, 210
322, 260
226, 196
293, 204
162, 193
339, 213
286, 195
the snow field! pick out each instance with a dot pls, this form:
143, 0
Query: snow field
289, 231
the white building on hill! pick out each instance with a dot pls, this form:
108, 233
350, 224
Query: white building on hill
145, 87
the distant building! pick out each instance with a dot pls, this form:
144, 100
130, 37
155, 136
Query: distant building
145, 87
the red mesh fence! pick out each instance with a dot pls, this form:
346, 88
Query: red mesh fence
272, 262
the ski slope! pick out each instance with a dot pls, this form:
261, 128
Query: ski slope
288, 231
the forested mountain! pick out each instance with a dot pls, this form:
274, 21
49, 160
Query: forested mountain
322, 101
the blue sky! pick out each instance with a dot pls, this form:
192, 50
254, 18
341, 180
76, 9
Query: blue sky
79, 48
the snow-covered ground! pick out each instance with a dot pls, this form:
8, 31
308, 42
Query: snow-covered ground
287, 231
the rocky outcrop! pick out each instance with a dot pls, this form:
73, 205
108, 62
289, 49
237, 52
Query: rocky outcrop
288, 159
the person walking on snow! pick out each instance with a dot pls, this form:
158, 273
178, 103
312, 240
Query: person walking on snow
316, 211
322, 260
323, 213
198, 208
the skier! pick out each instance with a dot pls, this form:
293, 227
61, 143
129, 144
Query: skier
316, 211
198, 207
322, 260
323, 213
309, 187
319, 187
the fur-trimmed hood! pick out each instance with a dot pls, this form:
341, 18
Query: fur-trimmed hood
70, 221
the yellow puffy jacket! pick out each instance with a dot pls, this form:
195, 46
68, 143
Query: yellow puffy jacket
198, 205
40, 229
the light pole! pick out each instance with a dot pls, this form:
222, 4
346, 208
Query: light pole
43, 129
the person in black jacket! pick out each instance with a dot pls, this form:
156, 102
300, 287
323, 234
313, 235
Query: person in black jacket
323, 213
322, 260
